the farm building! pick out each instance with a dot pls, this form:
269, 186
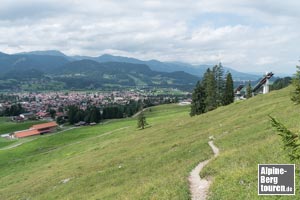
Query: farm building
38, 129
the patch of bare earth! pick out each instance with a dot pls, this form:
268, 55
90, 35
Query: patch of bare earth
199, 186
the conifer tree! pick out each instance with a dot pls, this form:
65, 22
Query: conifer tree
296, 83
212, 91
79, 116
290, 140
218, 72
95, 114
209, 84
228, 94
72, 110
142, 120
249, 90
198, 100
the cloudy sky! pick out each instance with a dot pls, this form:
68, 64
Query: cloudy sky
247, 35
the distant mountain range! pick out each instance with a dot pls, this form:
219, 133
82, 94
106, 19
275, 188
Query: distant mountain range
172, 66
25, 61
103, 71
91, 73
44, 53
155, 65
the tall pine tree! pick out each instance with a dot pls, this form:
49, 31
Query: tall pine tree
212, 91
220, 83
95, 114
141, 120
249, 90
228, 97
296, 83
198, 100
72, 110
209, 83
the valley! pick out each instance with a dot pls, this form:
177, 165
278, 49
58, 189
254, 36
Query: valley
119, 161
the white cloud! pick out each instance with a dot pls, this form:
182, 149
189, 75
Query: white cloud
247, 35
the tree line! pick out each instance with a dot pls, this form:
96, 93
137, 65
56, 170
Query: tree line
214, 90
96, 114
91, 114
14, 110
281, 83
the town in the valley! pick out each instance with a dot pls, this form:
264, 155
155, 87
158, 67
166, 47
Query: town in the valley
50, 105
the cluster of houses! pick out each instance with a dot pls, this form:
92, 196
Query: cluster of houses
39, 103
39, 115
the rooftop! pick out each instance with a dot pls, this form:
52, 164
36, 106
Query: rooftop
44, 125
26, 133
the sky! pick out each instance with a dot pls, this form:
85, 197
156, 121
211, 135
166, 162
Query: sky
246, 35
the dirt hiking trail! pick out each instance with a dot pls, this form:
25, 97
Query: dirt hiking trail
199, 186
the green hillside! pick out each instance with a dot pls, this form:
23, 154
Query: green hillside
117, 161
245, 138
6, 126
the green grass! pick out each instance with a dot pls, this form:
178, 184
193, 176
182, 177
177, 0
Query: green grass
118, 161
5, 142
6, 126
245, 137
127, 164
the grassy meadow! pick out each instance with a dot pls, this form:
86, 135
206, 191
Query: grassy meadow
7, 126
118, 161
111, 161
4, 142
245, 138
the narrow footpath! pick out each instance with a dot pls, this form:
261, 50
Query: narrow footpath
199, 186
137, 114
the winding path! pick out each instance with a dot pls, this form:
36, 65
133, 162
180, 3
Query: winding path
137, 114
199, 186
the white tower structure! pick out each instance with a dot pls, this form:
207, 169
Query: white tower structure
266, 88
